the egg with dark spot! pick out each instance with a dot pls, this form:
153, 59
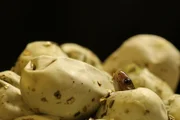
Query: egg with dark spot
136, 104
69, 87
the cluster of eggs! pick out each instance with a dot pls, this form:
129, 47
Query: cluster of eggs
69, 82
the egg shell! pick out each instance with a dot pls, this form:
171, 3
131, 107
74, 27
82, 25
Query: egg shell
11, 103
154, 52
10, 77
34, 49
173, 106
81, 53
63, 87
136, 104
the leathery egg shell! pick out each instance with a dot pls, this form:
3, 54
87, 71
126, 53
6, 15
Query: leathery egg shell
63, 87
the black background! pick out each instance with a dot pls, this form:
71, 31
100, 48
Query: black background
101, 26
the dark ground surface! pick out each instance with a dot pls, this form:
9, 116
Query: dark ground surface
101, 26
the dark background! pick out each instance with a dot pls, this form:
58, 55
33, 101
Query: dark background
101, 26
